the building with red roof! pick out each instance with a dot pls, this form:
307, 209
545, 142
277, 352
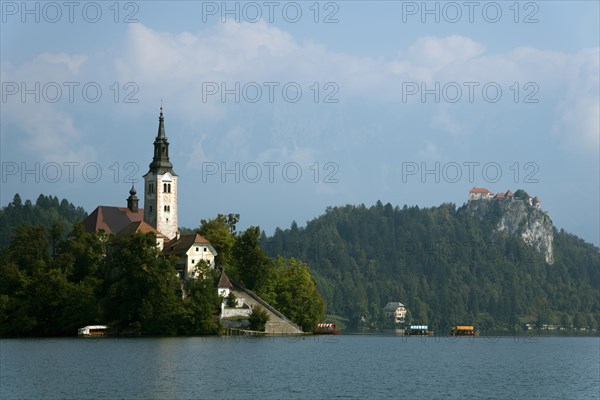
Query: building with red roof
480, 194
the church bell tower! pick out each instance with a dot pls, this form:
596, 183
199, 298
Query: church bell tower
160, 187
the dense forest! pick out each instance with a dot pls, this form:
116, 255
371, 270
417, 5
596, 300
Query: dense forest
54, 283
48, 211
446, 265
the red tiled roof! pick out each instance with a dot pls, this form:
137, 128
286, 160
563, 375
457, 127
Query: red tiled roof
479, 190
182, 245
499, 196
111, 219
509, 194
139, 227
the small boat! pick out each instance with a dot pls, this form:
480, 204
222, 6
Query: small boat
464, 330
418, 330
93, 330
326, 329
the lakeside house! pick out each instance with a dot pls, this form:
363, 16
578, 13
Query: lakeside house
395, 311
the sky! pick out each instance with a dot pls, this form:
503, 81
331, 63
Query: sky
277, 110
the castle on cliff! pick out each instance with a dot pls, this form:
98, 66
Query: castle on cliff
484, 194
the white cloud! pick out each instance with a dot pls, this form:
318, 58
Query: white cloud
577, 121
437, 53
42, 129
177, 66
73, 62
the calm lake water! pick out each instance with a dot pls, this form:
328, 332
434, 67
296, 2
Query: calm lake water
319, 367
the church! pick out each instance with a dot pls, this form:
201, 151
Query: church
159, 214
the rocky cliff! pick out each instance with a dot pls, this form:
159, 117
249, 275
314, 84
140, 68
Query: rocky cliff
517, 217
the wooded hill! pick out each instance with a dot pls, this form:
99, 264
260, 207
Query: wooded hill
54, 215
447, 265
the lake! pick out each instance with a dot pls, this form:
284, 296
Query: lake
311, 367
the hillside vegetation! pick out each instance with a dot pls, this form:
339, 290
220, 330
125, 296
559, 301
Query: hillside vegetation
54, 215
57, 278
447, 265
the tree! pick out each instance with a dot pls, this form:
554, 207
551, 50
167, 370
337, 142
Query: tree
56, 233
29, 248
231, 300
251, 262
258, 319
296, 294
141, 290
220, 232
46, 212
200, 307
82, 254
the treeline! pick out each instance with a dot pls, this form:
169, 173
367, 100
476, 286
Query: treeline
445, 265
56, 216
97, 279
54, 283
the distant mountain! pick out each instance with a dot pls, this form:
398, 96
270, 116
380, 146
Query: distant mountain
47, 211
497, 263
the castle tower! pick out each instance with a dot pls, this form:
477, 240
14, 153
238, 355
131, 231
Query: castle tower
160, 187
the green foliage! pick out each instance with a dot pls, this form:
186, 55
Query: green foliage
445, 264
54, 283
258, 319
39, 297
220, 232
141, 288
95, 279
231, 300
252, 264
285, 285
201, 307
54, 215
521, 194
296, 294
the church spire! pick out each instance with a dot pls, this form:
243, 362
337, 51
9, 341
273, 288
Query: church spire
160, 162
161, 125
160, 186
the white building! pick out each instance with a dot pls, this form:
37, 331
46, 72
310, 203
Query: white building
191, 249
480, 194
395, 311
